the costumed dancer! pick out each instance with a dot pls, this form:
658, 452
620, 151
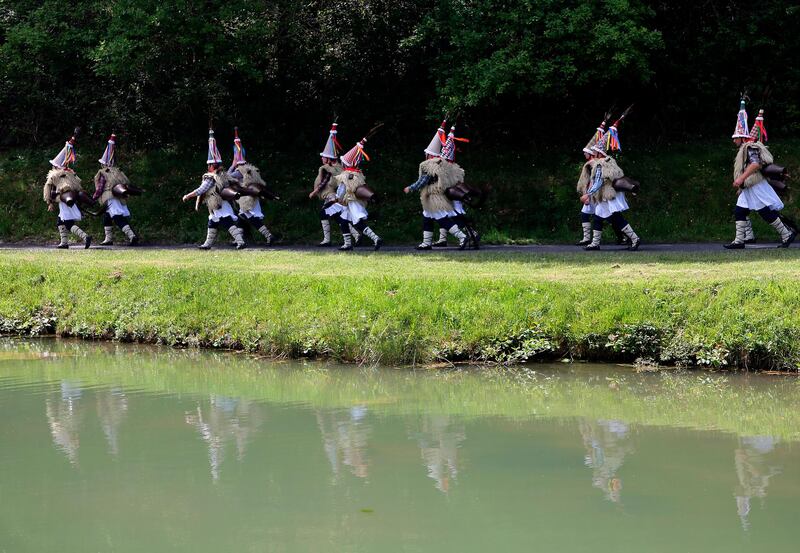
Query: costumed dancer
216, 191
598, 179
325, 186
112, 188
436, 174
63, 189
353, 194
754, 192
587, 211
459, 195
252, 188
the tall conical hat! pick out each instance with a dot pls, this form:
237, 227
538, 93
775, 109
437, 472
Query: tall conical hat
598, 135
599, 147
438, 140
353, 158
332, 146
759, 133
741, 130
66, 156
238, 150
449, 148
213, 151
108, 155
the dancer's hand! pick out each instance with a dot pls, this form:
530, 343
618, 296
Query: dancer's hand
739, 181
585, 199
407, 189
187, 197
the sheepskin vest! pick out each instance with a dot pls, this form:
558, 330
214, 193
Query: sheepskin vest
351, 180
741, 162
59, 181
251, 176
212, 198
585, 176
611, 172
113, 177
445, 175
328, 192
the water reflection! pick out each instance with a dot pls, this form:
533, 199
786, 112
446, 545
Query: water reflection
439, 440
607, 442
223, 420
753, 469
126, 418
63, 416
345, 434
112, 406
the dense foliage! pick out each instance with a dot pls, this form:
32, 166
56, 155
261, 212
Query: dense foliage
525, 71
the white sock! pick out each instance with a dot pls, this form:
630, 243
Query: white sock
741, 232
778, 225
63, 233
211, 236
427, 238
442, 234
356, 235
77, 231
597, 235
587, 231
265, 232
109, 232
748, 230
458, 233
628, 230
128, 231
238, 235
371, 235
348, 240
326, 231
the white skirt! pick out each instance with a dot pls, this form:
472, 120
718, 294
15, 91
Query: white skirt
224, 211
438, 214
354, 212
588, 209
115, 207
609, 207
66, 213
255, 212
759, 196
333, 209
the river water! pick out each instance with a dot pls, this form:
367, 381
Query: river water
118, 448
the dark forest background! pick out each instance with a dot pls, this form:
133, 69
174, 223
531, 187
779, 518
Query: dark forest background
518, 72
528, 81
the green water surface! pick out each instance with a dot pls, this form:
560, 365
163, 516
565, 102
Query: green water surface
107, 448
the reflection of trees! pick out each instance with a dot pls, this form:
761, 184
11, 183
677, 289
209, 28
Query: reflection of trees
344, 438
112, 405
63, 417
607, 442
225, 420
753, 471
439, 439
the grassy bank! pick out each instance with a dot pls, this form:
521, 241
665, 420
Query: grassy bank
720, 310
686, 193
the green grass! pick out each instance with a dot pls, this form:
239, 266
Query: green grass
719, 310
744, 405
686, 192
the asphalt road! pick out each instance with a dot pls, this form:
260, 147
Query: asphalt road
532, 249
